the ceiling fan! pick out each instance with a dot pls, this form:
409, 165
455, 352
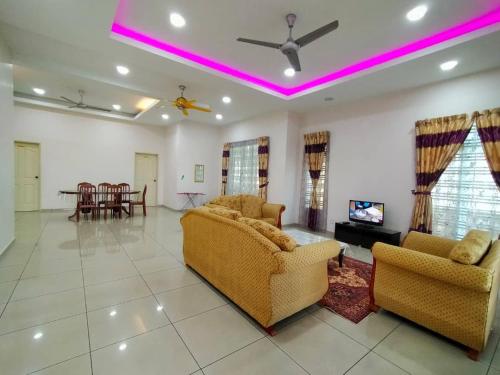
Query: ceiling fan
291, 47
183, 104
81, 105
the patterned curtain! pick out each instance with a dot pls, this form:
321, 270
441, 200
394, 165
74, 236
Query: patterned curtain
488, 127
315, 154
225, 166
437, 142
263, 166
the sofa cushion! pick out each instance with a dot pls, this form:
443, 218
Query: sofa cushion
472, 248
251, 206
230, 201
283, 240
225, 212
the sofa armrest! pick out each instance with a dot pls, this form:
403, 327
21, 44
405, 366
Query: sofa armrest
273, 210
435, 267
303, 256
429, 244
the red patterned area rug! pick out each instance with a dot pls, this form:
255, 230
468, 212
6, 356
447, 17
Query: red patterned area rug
349, 287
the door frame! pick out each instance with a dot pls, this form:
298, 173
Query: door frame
157, 166
39, 146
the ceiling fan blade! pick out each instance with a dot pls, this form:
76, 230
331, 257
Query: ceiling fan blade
260, 43
203, 109
185, 112
96, 108
293, 57
68, 100
318, 33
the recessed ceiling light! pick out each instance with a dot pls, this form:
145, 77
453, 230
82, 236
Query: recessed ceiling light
448, 65
159, 308
218, 116
177, 20
38, 335
289, 72
122, 347
226, 99
123, 70
112, 313
39, 91
117, 107
417, 13
165, 116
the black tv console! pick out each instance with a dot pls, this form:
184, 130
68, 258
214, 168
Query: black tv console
365, 235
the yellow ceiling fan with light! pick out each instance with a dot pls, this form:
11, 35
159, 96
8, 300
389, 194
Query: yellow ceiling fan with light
184, 105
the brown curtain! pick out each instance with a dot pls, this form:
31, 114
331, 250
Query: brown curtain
225, 166
315, 154
488, 127
263, 143
437, 142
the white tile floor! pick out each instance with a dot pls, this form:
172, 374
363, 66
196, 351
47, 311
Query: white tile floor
115, 298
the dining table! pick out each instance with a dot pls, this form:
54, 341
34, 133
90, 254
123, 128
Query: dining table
100, 194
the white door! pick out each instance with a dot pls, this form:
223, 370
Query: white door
146, 173
27, 177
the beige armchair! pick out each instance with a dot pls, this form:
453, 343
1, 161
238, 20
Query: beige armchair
419, 282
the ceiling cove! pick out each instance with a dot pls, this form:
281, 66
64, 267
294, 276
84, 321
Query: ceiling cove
443, 38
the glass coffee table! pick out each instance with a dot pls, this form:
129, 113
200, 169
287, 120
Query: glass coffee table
306, 238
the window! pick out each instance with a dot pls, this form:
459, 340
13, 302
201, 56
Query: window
306, 192
466, 197
243, 171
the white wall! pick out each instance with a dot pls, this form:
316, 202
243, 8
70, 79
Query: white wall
7, 218
372, 153
189, 143
77, 148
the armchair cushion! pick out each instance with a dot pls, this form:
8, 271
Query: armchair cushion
283, 240
251, 206
472, 248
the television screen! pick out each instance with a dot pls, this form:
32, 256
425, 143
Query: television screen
366, 212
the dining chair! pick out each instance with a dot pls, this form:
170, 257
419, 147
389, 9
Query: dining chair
86, 200
125, 193
113, 201
139, 203
82, 183
101, 196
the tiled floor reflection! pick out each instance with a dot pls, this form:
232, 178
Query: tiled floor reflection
115, 298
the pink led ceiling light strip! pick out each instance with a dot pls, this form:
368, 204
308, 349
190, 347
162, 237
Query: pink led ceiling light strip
468, 27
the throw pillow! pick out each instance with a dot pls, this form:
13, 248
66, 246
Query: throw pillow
251, 206
283, 240
230, 201
472, 247
225, 212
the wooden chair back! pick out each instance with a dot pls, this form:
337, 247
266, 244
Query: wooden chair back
81, 184
86, 194
144, 194
125, 189
102, 189
114, 195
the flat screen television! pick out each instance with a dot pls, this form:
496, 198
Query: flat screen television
366, 212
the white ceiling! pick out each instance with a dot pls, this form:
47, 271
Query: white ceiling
65, 45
